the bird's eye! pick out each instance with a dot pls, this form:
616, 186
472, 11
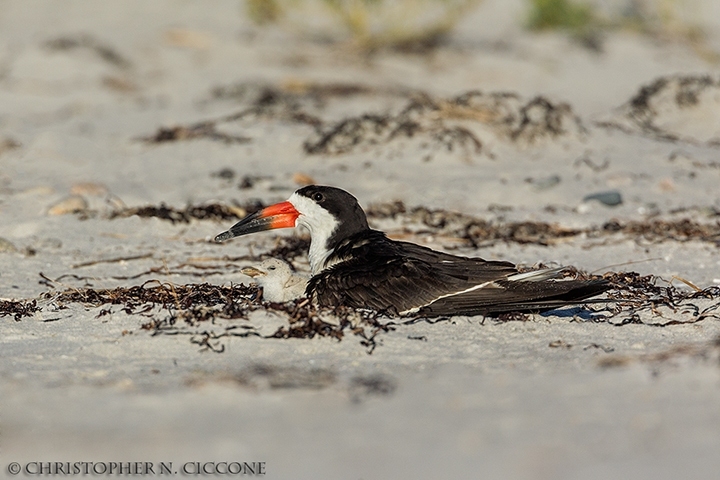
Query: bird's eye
318, 197
271, 268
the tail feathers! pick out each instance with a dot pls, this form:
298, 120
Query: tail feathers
537, 275
518, 296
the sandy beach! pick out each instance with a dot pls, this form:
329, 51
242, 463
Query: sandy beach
132, 133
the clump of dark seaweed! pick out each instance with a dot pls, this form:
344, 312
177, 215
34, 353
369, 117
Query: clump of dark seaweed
153, 293
208, 313
634, 294
18, 309
289, 248
479, 232
213, 211
206, 130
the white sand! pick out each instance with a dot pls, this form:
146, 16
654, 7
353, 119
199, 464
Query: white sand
456, 399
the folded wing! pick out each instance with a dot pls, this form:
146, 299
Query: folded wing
405, 278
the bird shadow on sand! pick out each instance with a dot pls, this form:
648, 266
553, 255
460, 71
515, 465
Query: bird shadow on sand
580, 313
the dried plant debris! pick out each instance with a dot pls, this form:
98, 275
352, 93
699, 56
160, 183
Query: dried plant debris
198, 310
213, 211
205, 130
658, 230
289, 248
210, 314
455, 124
164, 295
18, 309
705, 351
634, 294
674, 108
264, 377
473, 231
293, 92
274, 377
88, 42
478, 232
264, 101
376, 385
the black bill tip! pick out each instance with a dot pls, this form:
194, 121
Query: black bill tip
224, 236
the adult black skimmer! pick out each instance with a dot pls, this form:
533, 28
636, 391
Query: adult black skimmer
356, 266
277, 279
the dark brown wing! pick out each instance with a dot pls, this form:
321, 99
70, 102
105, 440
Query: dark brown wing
401, 277
522, 296
386, 275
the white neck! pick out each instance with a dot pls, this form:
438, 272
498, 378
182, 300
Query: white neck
321, 225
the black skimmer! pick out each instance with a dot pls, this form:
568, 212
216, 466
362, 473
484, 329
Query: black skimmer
278, 281
356, 266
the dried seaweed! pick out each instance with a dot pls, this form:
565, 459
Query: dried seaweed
512, 317
215, 211
184, 309
444, 123
164, 295
634, 294
647, 110
478, 232
207, 130
702, 351
195, 309
280, 378
105, 52
377, 385
291, 94
18, 309
449, 123
656, 230
289, 248
268, 102
264, 377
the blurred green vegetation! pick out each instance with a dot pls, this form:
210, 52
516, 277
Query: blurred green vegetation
554, 14
664, 20
263, 11
375, 24
416, 25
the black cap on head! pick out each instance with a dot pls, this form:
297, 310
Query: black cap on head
342, 205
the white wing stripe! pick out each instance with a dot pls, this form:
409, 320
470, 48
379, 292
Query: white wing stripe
467, 290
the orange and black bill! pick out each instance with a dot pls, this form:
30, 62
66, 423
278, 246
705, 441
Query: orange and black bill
280, 215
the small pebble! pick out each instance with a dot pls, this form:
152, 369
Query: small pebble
611, 198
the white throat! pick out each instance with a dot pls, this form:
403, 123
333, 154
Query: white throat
321, 224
